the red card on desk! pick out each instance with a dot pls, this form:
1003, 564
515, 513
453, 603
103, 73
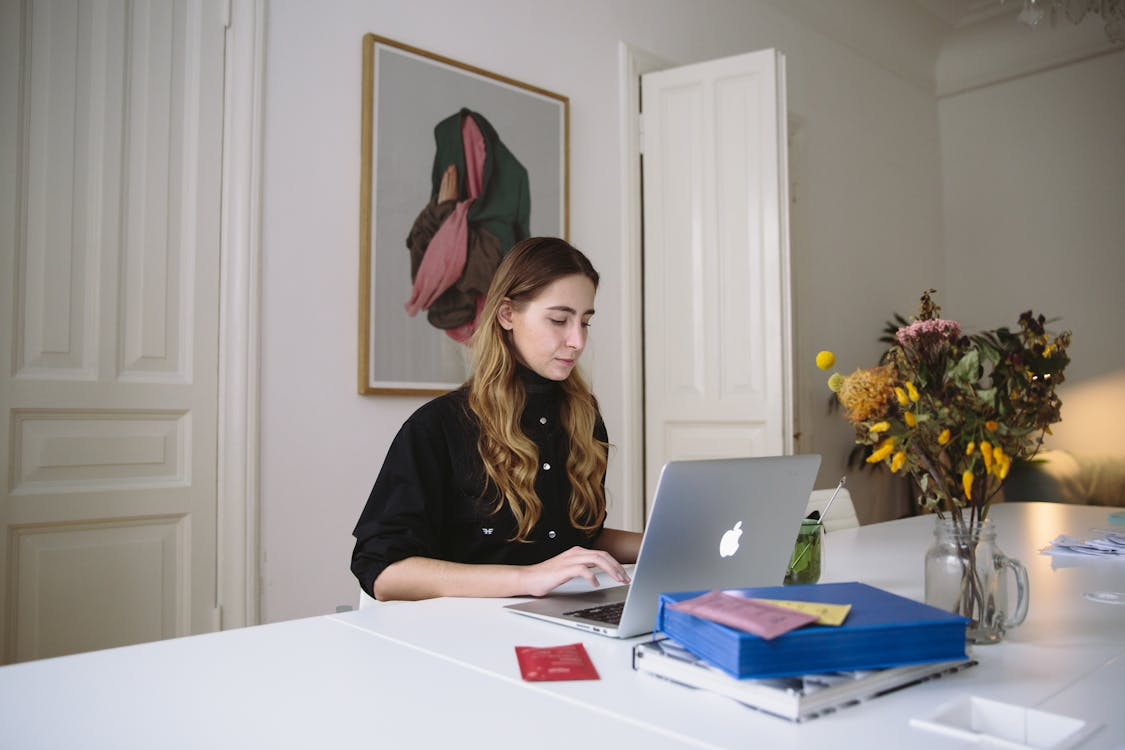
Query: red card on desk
569, 662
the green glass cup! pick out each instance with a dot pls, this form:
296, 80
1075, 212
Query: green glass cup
804, 563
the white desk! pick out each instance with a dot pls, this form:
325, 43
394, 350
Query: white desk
310, 683
443, 672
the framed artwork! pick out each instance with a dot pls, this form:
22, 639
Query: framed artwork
458, 164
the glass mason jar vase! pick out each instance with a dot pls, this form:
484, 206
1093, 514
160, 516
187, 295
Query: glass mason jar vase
966, 574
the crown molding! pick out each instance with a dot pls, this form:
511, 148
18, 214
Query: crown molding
903, 38
948, 47
1000, 49
958, 14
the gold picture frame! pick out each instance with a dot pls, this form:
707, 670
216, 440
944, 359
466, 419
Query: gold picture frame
409, 96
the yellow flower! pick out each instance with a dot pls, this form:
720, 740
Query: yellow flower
1001, 462
1048, 350
898, 461
912, 391
967, 484
943, 438
991, 425
835, 382
825, 359
910, 419
866, 394
970, 448
1003, 465
986, 454
901, 396
880, 427
883, 450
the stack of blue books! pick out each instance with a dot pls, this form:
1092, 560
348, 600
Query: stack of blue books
881, 630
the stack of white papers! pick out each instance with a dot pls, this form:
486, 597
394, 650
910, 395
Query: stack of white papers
1111, 544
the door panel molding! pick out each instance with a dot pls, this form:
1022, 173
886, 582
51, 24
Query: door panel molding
96, 573
70, 157
74, 450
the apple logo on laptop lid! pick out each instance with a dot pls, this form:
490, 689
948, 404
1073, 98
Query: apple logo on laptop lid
728, 545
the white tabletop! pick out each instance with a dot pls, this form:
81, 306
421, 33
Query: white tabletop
1066, 638
310, 683
443, 672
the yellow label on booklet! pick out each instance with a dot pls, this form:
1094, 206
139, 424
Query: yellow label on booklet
827, 614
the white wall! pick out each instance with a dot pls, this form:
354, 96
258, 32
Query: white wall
866, 239
1034, 195
1034, 192
866, 229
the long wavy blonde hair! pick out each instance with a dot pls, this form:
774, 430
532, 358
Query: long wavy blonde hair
497, 395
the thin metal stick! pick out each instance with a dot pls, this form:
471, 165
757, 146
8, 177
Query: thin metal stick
820, 521
840, 486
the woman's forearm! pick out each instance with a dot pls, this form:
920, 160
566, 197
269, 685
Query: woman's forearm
425, 578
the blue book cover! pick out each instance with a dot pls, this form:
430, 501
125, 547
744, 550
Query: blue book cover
881, 630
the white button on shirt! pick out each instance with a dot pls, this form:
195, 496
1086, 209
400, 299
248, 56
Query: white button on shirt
542, 420
546, 467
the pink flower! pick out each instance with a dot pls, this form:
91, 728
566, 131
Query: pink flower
937, 327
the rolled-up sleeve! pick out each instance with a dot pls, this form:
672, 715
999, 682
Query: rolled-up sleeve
405, 510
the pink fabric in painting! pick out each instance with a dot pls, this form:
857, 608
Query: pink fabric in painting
461, 333
444, 260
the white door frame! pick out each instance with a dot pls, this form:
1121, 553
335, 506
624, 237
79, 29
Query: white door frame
632, 64
237, 544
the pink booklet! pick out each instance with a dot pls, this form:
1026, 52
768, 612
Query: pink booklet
765, 620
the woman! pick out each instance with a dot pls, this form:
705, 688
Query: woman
498, 488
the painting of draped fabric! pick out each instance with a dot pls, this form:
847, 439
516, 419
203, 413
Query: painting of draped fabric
458, 164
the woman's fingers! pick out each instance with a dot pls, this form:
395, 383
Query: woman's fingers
609, 564
593, 558
576, 562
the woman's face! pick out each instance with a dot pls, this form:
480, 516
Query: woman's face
549, 332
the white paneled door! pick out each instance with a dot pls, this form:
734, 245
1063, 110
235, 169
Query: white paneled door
717, 331
109, 264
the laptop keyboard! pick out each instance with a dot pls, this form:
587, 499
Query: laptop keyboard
607, 613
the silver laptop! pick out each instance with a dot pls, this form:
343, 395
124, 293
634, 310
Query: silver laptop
715, 524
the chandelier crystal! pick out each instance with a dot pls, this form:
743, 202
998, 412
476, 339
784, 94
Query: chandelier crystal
1035, 12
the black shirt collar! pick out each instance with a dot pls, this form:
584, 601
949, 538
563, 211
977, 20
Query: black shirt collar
535, 383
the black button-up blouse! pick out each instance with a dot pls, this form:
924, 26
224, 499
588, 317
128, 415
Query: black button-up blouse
427, 500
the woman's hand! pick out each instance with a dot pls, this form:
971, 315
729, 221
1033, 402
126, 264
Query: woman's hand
576, 562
